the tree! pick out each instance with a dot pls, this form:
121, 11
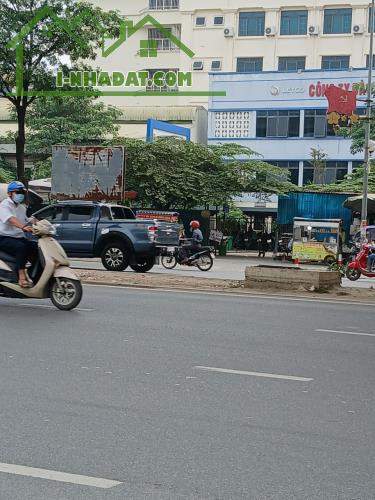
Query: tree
319, 163
171, 173
67, 120
43, 47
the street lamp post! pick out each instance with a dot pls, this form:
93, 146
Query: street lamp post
368, 127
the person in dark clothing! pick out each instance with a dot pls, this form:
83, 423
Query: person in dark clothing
196, 242
262, 245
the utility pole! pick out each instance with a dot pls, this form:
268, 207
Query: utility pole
368, 128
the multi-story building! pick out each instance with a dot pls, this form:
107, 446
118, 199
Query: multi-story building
241, 36
283, 117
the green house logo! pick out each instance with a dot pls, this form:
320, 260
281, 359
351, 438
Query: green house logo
84, 81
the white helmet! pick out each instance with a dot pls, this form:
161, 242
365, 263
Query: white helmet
44, 228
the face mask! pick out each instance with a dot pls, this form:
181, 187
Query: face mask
18, 198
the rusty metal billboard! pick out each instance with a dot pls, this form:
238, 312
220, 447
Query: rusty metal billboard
92, 173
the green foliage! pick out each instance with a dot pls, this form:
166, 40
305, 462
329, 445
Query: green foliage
69, 120
171, 173
44, 46
318, 162
7, 172
351, 184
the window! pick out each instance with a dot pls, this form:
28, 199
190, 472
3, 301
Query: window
368, 61
293, 22
278, 123
333, 171
198, 66
232, 124
251, 24
292, 166
200, 21
218, 20
337, 21
369, 21
335, 62
52, 214
80, 213
163, 42
292, 63
249, 64
156, 80
316, 124
122, 213
216, 66
164, 4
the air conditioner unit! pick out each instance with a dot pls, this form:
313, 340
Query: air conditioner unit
229, 32
271, 31
358, 29
313, 30
198, 65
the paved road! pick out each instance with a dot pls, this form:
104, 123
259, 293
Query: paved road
112, 391
232, 268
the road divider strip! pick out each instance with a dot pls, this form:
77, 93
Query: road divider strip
62, 477
253, 374
361, 334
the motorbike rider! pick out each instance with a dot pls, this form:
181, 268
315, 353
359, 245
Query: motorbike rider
371, 256
196, 242
14, 223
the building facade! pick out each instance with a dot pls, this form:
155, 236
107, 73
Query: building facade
283, 117
241, 36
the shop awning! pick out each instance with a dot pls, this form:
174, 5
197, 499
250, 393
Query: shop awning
355, 203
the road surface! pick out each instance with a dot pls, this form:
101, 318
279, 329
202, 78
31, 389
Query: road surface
155, 395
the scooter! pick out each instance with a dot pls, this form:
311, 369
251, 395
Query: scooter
358, 266
203, 260
51, 274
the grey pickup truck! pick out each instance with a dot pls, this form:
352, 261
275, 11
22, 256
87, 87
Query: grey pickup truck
111, 232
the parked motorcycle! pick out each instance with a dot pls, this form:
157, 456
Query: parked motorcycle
358, 266
51, 274
203, 260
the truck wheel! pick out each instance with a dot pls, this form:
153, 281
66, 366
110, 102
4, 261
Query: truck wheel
144, 266
115, 257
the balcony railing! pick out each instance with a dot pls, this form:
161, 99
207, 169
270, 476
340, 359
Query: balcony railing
164, 4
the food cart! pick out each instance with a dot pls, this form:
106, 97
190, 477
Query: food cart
317, 240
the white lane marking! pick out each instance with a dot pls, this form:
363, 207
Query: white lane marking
253, 374
361, 334
233, 295
44, 306
52, 475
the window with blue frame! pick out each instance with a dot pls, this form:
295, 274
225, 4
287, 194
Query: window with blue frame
293, 22
369, 21
335, 62
368, 61
292, 166
292, 63
337, 21
277, 123
251, 23
249, 64
334, 171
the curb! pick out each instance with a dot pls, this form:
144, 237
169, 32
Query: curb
233, 292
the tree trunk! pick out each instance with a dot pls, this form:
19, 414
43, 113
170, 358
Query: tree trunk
20, 143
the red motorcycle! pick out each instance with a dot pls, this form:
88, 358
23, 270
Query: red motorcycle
359, 265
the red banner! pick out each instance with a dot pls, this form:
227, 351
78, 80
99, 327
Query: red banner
341, 101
